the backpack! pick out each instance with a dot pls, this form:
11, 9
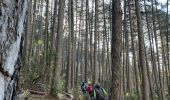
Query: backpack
83, 87
99, 94
90, 89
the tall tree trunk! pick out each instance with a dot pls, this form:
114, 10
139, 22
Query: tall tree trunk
12, 18
163, 51
27, 42
91, 38
54, 24
69, 70
133, 52
95, 40
75, 55
153, 61
116, 50
104, 66
126, 47
145, 87
86, 39
59, 37
167, 45
46, 43
28, 31
160, 91
72, 42
79, 47
33, 30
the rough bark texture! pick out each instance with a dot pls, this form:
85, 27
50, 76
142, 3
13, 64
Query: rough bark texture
12, 18
116, 49
56, 71
145, 87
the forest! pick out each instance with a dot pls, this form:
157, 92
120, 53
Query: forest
66, 49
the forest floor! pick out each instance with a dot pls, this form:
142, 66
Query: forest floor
28, 94
40, 97
36, 95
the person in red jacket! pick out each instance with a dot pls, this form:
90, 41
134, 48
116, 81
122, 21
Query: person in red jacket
90, 90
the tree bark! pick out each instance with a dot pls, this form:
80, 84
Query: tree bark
116, 50
28, 31
145, 88
59, 37
12, 21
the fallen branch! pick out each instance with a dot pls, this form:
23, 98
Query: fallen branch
65, 96
68, 94
36, 79
38, 92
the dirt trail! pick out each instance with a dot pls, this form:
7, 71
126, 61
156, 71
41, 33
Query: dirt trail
40, 97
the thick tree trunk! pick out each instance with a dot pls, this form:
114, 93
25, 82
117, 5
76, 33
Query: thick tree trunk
56, 70
27, 33
12, 18
145, 87
116, 49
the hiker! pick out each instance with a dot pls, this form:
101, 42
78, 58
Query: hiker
91, 92
95, 92
88, 88
101, 93
83, 87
